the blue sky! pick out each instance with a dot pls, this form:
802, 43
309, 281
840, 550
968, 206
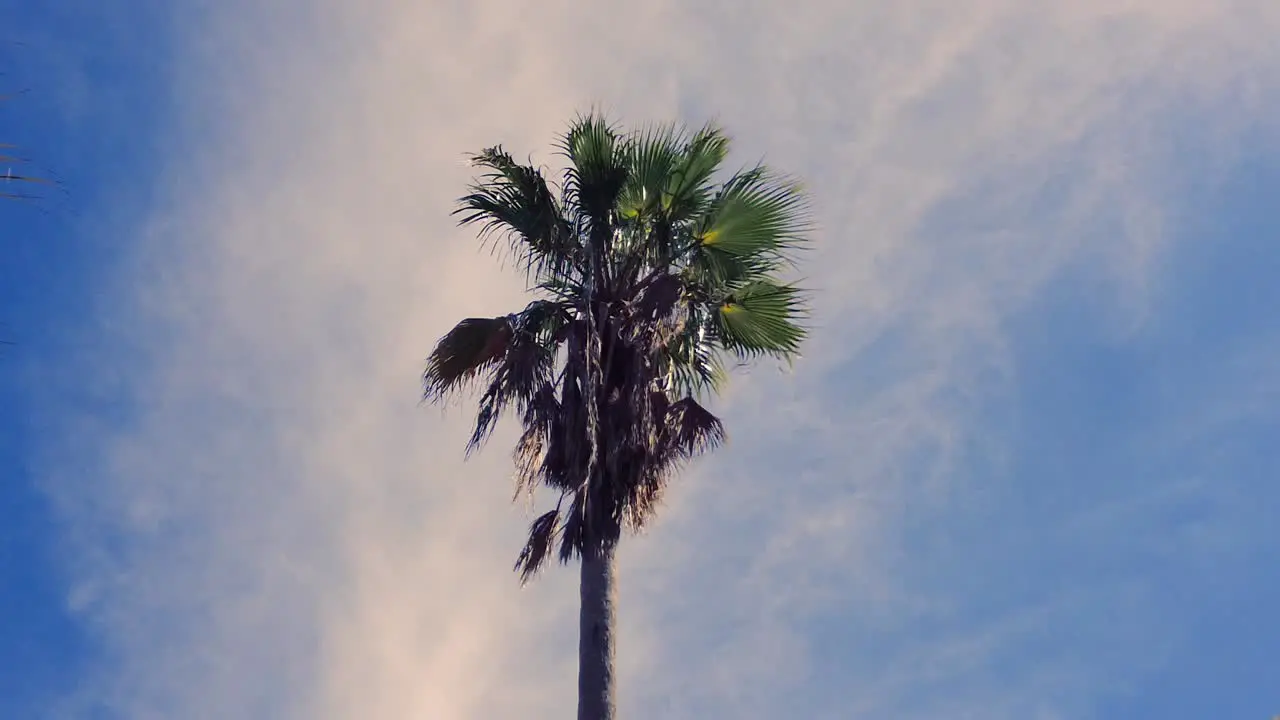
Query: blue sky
1027, 469
89, 104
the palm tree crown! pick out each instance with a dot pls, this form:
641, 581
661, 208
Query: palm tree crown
651, 269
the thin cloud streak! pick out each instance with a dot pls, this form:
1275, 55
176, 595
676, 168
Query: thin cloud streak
282, 531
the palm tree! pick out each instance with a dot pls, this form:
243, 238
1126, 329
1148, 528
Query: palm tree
651, 270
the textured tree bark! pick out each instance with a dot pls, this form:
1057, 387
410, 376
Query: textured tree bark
598, 593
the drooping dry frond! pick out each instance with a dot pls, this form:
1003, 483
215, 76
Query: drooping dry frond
526, 365
540, 421
542, 533
690, 430
471, 346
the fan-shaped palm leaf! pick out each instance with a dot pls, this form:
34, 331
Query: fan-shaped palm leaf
651, 157
597, 169
515, 201
690, 187
756, 217
469, 348
762, 318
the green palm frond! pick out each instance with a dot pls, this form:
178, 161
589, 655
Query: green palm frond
717, 271
651, 156
669, 182
757, 218
762, 318
597, 169
514, 200
690, 187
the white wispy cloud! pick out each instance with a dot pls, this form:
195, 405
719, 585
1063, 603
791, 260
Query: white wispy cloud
280, 530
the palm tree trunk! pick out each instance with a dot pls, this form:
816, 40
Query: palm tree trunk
599, 591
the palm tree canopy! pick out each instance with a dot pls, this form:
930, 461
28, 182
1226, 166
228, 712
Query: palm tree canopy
651, 268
